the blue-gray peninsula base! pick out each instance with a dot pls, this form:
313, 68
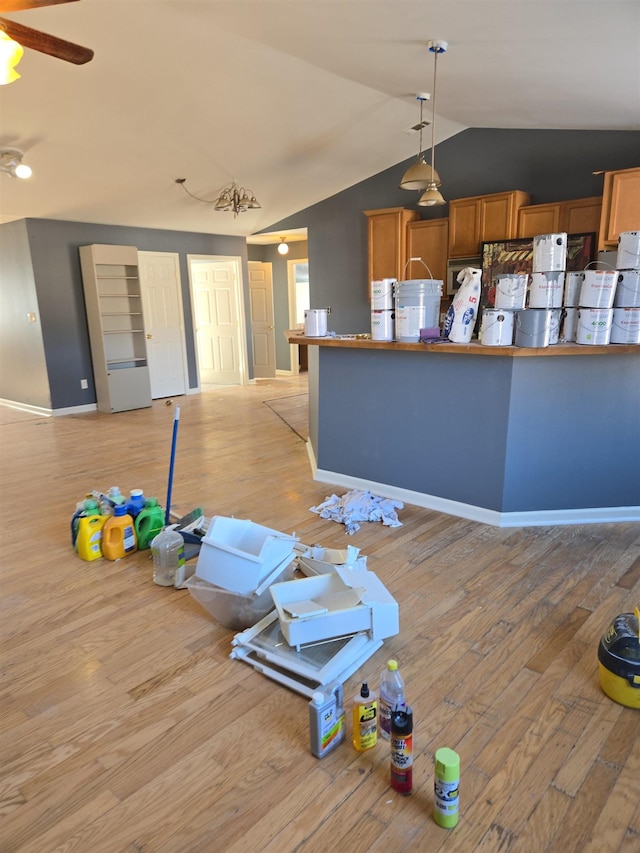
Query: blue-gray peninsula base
508, 436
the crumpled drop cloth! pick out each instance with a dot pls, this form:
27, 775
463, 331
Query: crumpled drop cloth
358, 506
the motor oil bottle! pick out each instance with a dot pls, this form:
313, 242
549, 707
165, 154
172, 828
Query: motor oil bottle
327, 723
391, 697
149, 522
365, 718
118, 534
446, 784
401, 776
167, 549
89, 540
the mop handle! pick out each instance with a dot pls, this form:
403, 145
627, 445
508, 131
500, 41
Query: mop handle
174, 438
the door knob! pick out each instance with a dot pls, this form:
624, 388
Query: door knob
149, 337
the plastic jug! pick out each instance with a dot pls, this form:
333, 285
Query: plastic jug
118, 535
88, 506
167, 549
89, 539
391, 697
136, 502
149, 522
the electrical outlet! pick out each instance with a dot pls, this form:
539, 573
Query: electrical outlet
84, 384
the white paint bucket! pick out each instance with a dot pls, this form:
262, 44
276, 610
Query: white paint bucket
315, 322
546, 289
627, 289
598, 288
554, 325
572, 284
628, 257
382, 325
626, 326
496, 329
511, 290
533, 327
549, 252
569, 325
382, 294
417, 307
594, 325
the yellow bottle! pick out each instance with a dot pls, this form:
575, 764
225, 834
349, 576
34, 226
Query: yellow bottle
365, 718
89, 539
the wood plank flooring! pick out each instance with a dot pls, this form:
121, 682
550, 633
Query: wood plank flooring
125, 726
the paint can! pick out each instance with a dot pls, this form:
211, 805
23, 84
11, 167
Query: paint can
511, 291
549, 252
594, 325
533, 327
627, 289
382, 325
546, 289
382, 294
625, 328
569, 325
598, 288
628, 257
417, 306
554, 325
572, 284
496, 329
315, 322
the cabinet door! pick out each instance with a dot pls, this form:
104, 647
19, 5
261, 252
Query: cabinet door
620, 205
539, 219
428, 239
464, 227
388, 242
581, 216
499, 215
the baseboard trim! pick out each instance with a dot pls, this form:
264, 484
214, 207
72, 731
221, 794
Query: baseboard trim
535, 518
25, 407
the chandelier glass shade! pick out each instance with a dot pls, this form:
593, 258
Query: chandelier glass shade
11, 163
11, 53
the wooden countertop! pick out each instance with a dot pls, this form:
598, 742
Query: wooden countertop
474, 348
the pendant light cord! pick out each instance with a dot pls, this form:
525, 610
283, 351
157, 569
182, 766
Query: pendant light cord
433, 115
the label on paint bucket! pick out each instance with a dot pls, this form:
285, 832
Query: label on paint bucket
382, 294
594, 325
549, 252
625, 328
570, 324
572, 284
382, 325
598, 288
554, 325
627, 289
511, 290
546, 290
496, 329
315, 322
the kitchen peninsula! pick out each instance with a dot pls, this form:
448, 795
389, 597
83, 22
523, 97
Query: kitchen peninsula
510, 436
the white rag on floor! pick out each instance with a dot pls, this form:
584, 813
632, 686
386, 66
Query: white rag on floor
358, 506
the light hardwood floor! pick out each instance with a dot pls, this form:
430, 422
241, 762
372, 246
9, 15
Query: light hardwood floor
126, 726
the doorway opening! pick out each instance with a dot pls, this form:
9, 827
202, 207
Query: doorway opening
299, 302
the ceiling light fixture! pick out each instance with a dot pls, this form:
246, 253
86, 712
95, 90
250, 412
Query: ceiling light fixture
10, 55
432, 195
421, 174
11, 163
233, 198
283, 248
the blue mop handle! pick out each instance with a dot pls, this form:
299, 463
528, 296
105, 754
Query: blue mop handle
174, 438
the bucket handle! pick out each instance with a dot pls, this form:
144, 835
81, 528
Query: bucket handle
598, 262
423, 264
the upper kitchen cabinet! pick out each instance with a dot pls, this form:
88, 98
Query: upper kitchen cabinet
387, 231
620, 206
479, 218
579, 216
428, 239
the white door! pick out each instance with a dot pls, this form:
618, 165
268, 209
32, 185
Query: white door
263, 336
216, 308
164, 323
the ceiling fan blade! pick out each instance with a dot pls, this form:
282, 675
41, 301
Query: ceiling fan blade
21, 5
51, 45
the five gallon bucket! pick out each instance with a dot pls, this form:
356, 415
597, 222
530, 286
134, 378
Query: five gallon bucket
417, 307
511, 291
496, 329
315, 322
628, 257
627, 289
549, 252
625, 328
598, 288
382, 294
594, 325
382, 325
533, 327
546, 289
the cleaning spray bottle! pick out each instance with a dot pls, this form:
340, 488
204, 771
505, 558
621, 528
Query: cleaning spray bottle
401, 776
446, 782
326, 719
365, 718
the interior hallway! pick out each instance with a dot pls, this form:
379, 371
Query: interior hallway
126, 727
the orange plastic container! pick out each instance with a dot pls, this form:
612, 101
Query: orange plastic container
118, 535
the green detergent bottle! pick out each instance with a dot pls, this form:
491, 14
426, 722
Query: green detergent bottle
149, 522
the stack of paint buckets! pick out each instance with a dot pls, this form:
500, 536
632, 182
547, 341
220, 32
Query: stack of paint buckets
595, 306
625, 327
538, 325
382, 314
496, 329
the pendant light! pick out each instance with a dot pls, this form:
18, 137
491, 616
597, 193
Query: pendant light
10, 55
432, 195
283, 247
421, 174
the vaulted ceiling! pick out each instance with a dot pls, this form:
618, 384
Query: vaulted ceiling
294, 99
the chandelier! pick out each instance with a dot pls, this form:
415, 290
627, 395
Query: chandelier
11, 163
233, 197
